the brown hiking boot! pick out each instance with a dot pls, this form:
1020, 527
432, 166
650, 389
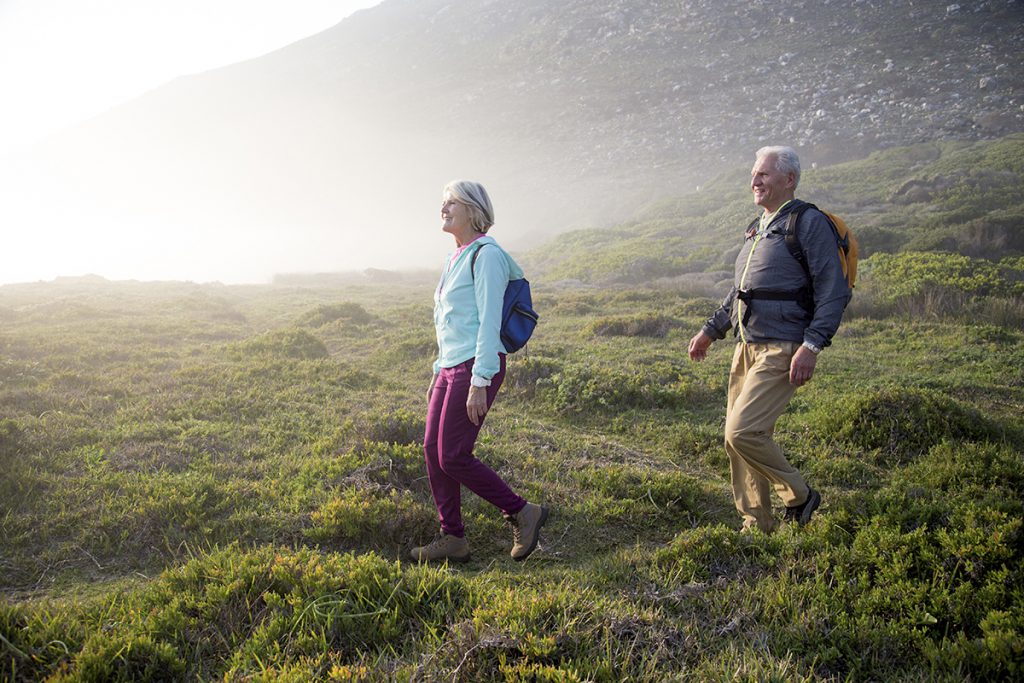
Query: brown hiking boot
443, 547
526, 526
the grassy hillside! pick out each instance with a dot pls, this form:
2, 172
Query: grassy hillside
222, 483
960, 197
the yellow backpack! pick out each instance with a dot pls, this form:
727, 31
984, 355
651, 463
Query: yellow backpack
846, 243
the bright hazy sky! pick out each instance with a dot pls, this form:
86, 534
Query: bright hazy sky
62, 61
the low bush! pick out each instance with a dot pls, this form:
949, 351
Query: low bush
35, 642
125, 659
391, 425
242, 615
647, 325
290, 344
989, 473
636, 497
898, 424
523, 375
557, 633
898, 599
365, 517
700, 306
348, 312
588, 389
709, 552
910, 274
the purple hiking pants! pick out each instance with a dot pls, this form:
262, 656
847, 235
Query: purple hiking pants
448, 446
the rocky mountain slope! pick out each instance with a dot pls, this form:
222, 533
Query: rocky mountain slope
574, 112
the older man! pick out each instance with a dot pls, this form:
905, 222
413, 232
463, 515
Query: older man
783, 314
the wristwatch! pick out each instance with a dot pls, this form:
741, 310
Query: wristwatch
812, 348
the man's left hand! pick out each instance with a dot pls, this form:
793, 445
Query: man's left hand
801, 368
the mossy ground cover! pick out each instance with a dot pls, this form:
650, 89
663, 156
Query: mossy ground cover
205, 482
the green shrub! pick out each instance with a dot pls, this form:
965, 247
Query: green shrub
289, 344
582, 389
241, 613
646, 325
997, 653
705, 553
392, 425
366, 517
924, 585
622, 494
906, 275
951, 476
131, 658
348, 312
523, 375
35, 643
558, 632
700, 306
898, 424
982, 472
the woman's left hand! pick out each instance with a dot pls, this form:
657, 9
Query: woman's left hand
476, 404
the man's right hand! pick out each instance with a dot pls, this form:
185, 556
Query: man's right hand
699, 346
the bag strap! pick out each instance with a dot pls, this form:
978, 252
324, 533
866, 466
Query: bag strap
472, 261
793, 240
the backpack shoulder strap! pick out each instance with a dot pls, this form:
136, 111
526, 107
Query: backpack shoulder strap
793, 239
749, 232
472, 261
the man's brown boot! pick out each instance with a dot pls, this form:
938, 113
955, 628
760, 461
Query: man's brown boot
443, 547
526, 526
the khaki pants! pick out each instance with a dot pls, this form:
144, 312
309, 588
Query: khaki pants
759, 391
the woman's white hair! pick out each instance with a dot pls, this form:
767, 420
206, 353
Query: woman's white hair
475, 198
786, 160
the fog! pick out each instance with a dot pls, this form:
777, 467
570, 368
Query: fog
220, 177
143, 192
235, 206
183, 213
330, 154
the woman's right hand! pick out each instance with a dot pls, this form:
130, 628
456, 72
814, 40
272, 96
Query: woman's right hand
430, 389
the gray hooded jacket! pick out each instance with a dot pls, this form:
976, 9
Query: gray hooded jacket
773, 267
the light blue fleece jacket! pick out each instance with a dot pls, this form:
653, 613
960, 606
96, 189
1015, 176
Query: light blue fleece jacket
467, 310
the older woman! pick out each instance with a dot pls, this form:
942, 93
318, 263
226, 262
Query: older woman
467, 374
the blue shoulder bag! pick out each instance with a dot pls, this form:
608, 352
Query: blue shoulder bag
518, 319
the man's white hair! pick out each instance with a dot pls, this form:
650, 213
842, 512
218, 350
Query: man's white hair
786, 159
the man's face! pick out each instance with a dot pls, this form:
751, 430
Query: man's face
771, 187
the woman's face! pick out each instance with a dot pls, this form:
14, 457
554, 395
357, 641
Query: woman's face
455, 216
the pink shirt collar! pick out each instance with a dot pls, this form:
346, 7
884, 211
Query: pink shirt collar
463, 247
